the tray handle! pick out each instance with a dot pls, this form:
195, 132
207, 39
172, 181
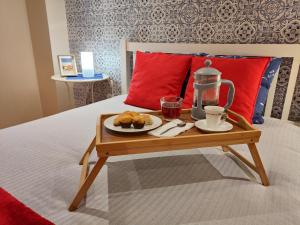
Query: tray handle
239, 120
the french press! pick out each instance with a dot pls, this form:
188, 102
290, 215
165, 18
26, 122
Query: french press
207, 82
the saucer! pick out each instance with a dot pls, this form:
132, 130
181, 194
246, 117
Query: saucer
224, 127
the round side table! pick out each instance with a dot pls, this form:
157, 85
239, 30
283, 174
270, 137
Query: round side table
90, 81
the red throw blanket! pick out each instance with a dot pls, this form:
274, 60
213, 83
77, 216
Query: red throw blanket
13, 212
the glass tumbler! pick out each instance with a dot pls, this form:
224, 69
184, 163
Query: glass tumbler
171, 107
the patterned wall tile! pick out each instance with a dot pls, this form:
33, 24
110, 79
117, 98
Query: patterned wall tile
295, 108
98, 26
281, 87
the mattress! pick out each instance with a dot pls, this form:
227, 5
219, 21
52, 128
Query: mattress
39, 165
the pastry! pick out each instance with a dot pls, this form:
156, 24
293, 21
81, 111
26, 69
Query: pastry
138, 122
125, 121
117, 120
148, 119
126, 118
126, 113
130, 113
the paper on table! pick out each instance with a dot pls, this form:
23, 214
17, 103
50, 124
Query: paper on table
172, 132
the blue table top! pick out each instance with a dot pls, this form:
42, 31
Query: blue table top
80, 77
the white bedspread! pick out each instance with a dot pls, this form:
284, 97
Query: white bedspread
39, 165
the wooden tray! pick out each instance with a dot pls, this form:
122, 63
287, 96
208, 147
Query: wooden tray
110, 143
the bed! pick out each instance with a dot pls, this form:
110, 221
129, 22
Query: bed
39, 165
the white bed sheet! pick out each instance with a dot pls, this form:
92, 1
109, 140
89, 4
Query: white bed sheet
39, 165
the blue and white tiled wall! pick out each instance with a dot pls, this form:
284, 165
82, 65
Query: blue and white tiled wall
98, 26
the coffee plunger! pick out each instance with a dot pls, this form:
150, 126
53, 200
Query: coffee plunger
207, 82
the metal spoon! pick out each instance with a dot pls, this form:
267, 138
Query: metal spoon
181, 124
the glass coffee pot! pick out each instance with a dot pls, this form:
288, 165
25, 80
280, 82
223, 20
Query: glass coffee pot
207, 82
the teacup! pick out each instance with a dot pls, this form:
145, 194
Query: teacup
215, 116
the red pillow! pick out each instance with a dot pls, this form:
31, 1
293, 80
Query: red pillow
156, 75
245, 73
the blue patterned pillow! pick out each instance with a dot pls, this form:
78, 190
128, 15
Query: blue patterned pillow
265, 85
267, 79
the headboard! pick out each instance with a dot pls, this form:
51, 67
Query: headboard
275, 50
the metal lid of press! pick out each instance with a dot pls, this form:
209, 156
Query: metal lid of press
207, 70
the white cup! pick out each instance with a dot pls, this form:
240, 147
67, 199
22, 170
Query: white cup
215, 116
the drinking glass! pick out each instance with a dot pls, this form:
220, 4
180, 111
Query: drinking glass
171, 107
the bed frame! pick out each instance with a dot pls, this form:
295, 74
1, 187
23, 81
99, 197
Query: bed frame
274, 50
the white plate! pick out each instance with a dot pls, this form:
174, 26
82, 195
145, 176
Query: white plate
109, 124
224, 127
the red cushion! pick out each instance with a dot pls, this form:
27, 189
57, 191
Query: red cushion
156, 75
245, 73
13, 212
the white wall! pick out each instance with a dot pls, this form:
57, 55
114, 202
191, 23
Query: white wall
19, 91
58, 32
38, 23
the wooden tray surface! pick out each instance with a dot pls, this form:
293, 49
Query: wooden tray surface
112, 136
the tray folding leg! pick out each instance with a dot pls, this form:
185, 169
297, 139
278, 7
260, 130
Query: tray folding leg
86, 178
258, 163
258, 166
89, 150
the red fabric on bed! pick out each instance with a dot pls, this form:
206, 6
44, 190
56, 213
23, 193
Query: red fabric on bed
156, 75
13, 212
245, 73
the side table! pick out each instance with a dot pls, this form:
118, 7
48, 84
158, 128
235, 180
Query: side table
90, 81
